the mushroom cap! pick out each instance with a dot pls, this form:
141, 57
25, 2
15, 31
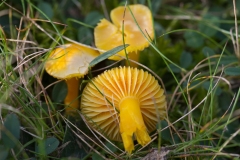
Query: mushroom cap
69, 60
108, 35
115, 85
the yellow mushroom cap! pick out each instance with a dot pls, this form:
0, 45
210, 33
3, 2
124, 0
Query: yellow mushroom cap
117, 86
69, 60
108, 35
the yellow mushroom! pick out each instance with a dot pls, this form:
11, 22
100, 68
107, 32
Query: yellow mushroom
109, 35
137, 103
70, 62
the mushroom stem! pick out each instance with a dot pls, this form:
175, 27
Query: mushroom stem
131, 122
134, 56
71, 101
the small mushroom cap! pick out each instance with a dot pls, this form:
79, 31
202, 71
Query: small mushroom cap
108, 35
69, 60
115, 85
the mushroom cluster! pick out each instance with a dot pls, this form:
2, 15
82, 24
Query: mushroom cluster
70, 62
110, 35
123, 102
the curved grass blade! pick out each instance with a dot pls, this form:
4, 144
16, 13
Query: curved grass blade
107, 54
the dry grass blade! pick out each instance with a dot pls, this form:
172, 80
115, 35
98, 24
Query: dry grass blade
223, 116
70, 125
101, 140
204, 99
104, 9
15, 40
237, 51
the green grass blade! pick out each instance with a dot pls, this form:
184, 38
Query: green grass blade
107, 55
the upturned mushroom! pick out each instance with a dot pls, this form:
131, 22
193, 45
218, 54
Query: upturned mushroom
70, 62
109, 35
123, 102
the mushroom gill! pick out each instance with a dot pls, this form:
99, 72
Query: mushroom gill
123, 102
